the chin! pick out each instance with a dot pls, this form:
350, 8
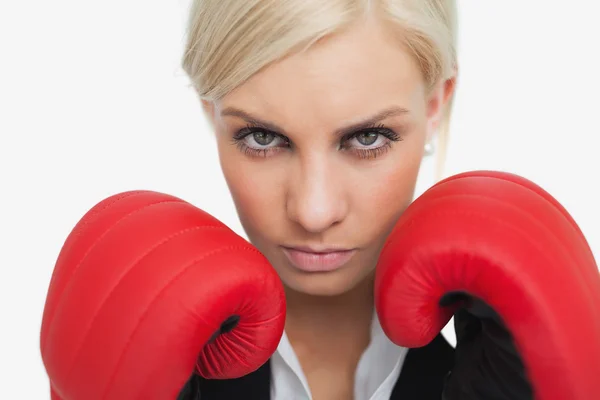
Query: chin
333, 283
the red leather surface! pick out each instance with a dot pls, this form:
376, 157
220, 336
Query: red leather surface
140, 285
503, 239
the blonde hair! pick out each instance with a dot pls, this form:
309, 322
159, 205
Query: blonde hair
228, 41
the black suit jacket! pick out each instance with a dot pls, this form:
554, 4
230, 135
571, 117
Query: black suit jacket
422, 378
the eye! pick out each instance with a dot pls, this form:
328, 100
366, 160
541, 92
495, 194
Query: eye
368, 139
371, 142
260, 138
256, 141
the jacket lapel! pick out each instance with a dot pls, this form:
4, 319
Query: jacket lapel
254, 386
424, 371
422, 378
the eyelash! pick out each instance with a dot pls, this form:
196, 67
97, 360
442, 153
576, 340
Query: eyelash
368, 153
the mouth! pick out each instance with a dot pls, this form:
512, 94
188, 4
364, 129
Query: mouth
318, 260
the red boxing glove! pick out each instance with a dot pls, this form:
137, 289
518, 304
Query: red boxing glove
507, 261
142, 288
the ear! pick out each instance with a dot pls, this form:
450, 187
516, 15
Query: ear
439, 99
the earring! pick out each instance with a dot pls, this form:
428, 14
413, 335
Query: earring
429, 149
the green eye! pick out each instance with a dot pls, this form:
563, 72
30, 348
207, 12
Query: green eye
263, 138
367, 138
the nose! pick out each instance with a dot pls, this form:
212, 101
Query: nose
316, 197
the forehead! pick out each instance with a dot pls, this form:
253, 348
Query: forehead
354, 73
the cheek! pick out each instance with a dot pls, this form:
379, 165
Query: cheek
384, 196
255, 190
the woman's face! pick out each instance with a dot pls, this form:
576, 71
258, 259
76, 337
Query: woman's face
321, 152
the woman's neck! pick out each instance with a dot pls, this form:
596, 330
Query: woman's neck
331, 324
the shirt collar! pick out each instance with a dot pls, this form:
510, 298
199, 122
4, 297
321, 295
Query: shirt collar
380, 360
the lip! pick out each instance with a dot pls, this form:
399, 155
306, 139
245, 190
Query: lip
318, 260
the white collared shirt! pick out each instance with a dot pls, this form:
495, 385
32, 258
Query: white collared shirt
377, 372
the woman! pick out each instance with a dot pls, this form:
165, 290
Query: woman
323, 112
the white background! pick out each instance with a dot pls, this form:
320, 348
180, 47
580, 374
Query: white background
93, 102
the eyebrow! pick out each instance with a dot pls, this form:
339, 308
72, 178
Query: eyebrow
357, 126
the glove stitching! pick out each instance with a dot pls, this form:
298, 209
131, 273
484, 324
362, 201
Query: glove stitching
153, 301
128, 269
77, 232
69, 277
514, 228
